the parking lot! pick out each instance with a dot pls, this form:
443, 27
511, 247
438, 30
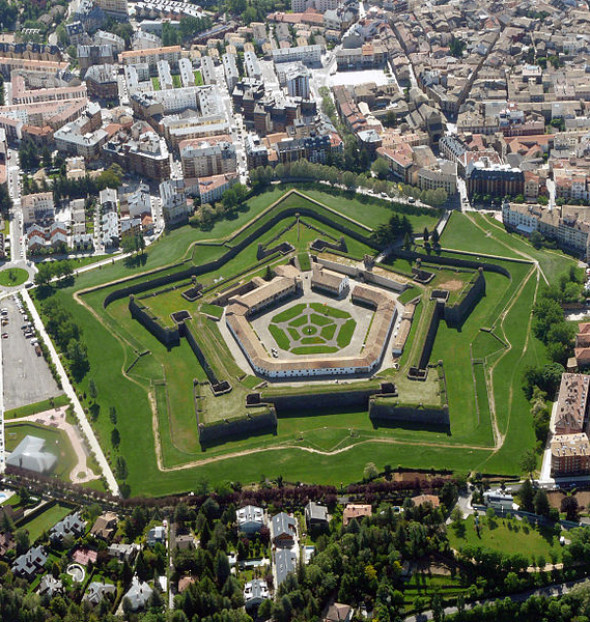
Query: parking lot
27, 378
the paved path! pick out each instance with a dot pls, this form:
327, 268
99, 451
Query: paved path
57, 418
69, 391
558, 589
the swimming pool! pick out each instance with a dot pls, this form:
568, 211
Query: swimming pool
3, 497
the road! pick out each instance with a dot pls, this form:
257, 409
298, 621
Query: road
69, 391
558, 589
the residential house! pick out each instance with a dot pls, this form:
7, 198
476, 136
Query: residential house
285, 564
124, 552
184, 542
255, 592
49, 586
105, 526
30, 563
156, 535
338, 612
283, 530
355, 510
71, 526
6, 543
250, 519
138, 594
316, 515
97, 591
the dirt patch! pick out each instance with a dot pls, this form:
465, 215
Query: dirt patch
453, 285
583, 498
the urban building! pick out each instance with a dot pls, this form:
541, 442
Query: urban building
210, 156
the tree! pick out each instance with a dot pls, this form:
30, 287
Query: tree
380, 168
78, 357
528, 462
569, 505
537, 240
121, 471
44, 274
222, 568
526, 495
115, 437
456, 47
113, 415
541, 502
370, 472
435, 237
92, 390
425, 235
407, 241
546, 313
22, 541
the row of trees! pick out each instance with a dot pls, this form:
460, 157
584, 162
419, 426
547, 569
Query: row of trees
67, 334
334, 175
398, 228
549, 324
48, 270
188, 28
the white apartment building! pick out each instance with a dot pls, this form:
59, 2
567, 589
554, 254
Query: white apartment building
165, 75
187, 75
230, 69
208, 70
252, 66
175, 206
308, 54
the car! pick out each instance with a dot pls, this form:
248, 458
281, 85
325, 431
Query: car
24, 327
411, 200
34, 342
4, 335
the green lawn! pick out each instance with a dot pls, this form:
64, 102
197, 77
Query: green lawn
12, 277
156, 84
289, 314
212, 310
38, 407
198, 78
314, 349
345, 333
328, 311
279, 336
304, 261
46, 520
176, 81
507, 535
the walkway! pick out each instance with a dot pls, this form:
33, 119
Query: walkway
57, 418
69, 391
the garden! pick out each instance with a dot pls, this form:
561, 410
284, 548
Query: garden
312, 328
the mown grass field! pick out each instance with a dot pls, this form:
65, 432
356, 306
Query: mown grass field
508, 535
46, 520
117, 338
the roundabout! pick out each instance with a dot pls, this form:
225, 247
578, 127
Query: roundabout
13, 277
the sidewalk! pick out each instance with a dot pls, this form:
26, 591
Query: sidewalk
69, 391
